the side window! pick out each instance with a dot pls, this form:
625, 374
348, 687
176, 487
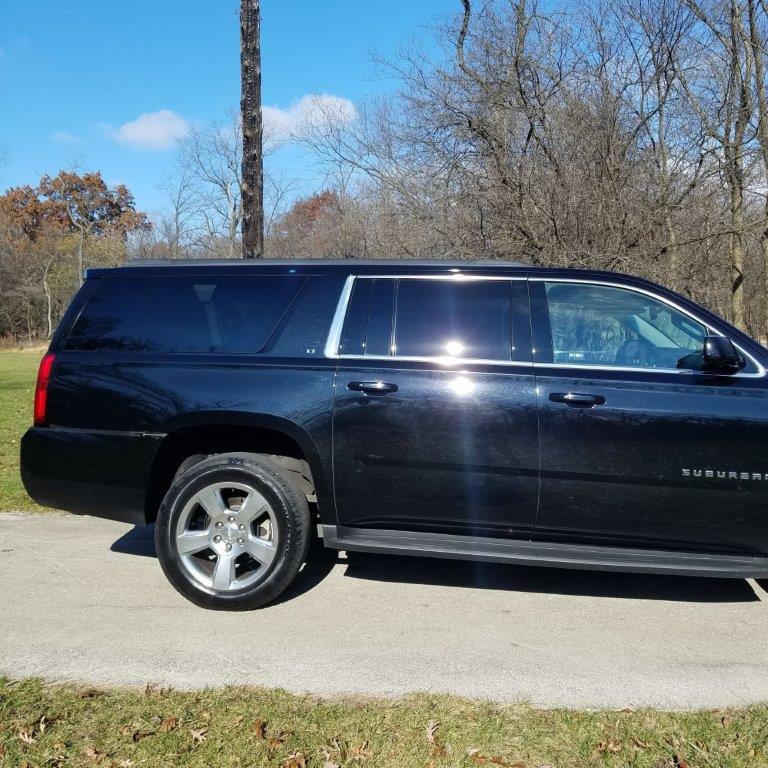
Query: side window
303, 329
464, 319
368, 324
355, 324
613, 326
378, 339
184, 314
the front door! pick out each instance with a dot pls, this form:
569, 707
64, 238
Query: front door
638, 448
435, 424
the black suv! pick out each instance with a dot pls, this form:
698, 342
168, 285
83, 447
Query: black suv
483, 411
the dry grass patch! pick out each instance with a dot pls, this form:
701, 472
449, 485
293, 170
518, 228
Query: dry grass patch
66, 725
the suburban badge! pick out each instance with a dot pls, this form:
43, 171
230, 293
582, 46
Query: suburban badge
721, 474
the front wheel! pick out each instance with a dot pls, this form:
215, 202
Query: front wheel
232, 532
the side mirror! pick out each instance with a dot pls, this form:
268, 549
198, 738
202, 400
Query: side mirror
721, 356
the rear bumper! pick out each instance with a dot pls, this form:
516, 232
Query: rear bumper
88, 472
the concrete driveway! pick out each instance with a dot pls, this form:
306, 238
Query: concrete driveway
85, 599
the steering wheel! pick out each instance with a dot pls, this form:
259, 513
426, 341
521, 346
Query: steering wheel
637, 353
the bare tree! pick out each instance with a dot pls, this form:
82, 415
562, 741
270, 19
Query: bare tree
176, 226
250, 107
758, 40
720, 94
210, 157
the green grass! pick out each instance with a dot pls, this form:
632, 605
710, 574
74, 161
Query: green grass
18, 371
64, 725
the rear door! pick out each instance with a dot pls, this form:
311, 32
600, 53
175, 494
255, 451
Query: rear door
636, 451
435, 425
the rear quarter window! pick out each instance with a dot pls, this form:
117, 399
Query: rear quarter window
184, 314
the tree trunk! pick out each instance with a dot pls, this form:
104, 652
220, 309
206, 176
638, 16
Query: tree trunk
29, 324
252, 191
740, 78
737, 277
757, 47
48, 302
80, 250
735, 174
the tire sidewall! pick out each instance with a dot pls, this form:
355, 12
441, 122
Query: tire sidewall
288, 516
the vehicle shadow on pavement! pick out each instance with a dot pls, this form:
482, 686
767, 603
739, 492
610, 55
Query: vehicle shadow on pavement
513, 578
140, 541
520, 578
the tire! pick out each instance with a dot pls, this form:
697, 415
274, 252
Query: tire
232, 532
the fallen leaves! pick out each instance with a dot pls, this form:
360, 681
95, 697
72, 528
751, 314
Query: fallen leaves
360, 753
169, 724
295, 760
607, 746
199, 735
438, 748
679, 761
478, 758
335, 749
89, 693
260, 729
276, 741
94, 755
26, 737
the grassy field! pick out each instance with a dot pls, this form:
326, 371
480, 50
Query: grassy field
17, 387
68, 726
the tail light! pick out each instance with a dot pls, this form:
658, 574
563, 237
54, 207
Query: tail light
41, 389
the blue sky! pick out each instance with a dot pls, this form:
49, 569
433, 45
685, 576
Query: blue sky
76, 77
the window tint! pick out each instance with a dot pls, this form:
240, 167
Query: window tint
356, 321
604, 325
378, 339
439, 318
303, 330
184, 314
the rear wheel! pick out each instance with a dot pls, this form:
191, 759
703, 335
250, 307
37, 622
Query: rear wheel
232, 532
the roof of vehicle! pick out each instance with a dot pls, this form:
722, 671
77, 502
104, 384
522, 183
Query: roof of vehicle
166, 267
322, 262
308, 266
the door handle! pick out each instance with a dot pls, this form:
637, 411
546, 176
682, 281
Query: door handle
372, 387
577, 399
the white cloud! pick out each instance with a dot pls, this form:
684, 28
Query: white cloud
65, 137
152, 130
311, 112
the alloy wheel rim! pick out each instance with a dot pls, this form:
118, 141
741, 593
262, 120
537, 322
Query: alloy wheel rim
227, 536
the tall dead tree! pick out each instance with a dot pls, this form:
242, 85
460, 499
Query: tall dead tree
252, 192
758, 40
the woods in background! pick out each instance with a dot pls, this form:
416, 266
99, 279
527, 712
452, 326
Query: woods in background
48, 234
610, 135
630, 137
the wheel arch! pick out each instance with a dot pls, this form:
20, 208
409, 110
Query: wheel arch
186, 443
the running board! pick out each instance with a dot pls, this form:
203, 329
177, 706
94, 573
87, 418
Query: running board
557, 555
